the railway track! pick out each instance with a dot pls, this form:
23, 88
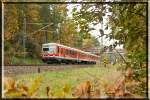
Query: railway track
19, 70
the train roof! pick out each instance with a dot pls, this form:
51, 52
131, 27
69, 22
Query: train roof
69, 48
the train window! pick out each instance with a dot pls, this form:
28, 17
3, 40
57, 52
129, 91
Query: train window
71, 52
74, 52
45, 49
62, 51
65, 51
58, 49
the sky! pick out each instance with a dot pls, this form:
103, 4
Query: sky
95, 33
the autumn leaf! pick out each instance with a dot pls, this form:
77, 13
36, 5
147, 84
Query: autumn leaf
9, 83
35, 86
83, 90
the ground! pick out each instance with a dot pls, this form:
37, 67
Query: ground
72, 77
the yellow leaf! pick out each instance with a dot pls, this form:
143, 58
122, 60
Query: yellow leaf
9, 83
67, 88
35, 86
14, 94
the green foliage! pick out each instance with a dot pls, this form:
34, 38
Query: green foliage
128, 24
61, 30
19, 60
90, 42
89, 13
105, 60
11, 22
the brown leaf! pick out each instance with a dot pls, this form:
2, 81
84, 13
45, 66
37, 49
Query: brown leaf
9, 83
96, 93
83, 90
129, 73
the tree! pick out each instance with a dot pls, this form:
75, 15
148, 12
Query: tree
89, 13
128, 23
11, 21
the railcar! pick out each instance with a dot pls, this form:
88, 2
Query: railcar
57, 53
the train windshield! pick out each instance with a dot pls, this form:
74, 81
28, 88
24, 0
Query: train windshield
45, 49
51, 49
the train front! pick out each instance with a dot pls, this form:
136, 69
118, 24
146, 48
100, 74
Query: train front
49, 53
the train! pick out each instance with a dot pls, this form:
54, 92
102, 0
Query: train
58, 53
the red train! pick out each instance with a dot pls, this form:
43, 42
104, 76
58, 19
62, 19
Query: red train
57, 53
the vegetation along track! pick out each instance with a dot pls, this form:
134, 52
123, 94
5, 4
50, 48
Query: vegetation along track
15, 70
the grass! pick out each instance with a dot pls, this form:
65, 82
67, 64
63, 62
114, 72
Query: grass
71, 77
27, 61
